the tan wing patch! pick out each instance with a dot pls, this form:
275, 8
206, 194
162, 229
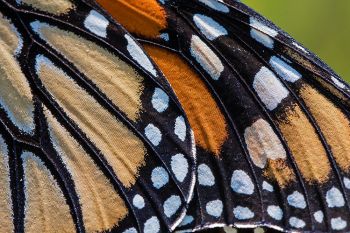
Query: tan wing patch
143, 17
13, 83
111, 136
115, 78
205, 117
305, 145
101, 205
6, 212
45, 206
333, 123
56, 7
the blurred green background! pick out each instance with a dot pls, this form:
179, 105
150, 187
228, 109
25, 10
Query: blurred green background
323, 26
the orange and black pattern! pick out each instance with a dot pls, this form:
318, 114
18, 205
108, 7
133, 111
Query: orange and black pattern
270, 120
157, 116
92, 138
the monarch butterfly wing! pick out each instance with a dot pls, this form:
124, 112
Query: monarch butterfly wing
306, 102
278, 150
92, 137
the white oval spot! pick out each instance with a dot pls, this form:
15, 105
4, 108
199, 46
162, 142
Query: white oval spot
153, 134
284, 70
262, 33
269, 88
96, 23
275, 212
346, 182
180, 128
230, 230
187, 220
268, 187
171, 205
296, 222
296, 200
338, 224
152, 225
300, 47
241, 183
243, 213
138, 201
334, 198
130, 230
179, 166
216, 5
209, 27
160, 100
318, 215
139, 56
205, 175
214, 208
159, 177
209, 61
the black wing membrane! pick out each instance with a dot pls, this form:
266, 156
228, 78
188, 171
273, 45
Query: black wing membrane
92, 137
272, 136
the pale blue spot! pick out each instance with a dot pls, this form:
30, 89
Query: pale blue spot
243, 213
241, 183
96, 23
159, 177
284, 70
209, 27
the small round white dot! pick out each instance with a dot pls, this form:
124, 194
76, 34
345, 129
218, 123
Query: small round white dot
242, 213
296, 200
180, 128
296, 222
138, 201
275, 212
160, 100
318, 215
338, 224
334, 198
205, 175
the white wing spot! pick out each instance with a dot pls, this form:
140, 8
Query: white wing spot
262, 33
179, 166
139, 56
242, 213
275, 212
209, 27
138, 201
241, 183
284, 70
214, 208
334, 198
269, 88
180, 128
346, 182
159, 177
160, 100
318, 215
268, 187
205, 175
338, 224
130, 230
152, 225
171, 205
296, 222
338, 83
209, 61
296, 200
153, 134
187, 220
96, 23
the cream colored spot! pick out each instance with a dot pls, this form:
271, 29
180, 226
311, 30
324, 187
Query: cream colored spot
305, 145
15, 95
45, 205
56, 7
6, 212
112, 137
115, 78
101, 205
334, 125
209, 61
263, 143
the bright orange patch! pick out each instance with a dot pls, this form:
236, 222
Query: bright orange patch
207, 121
142, 17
